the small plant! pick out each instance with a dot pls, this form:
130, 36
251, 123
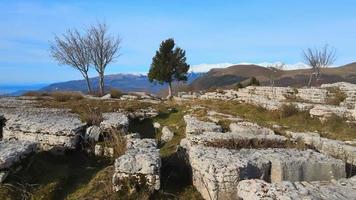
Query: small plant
66, 96
115, 139
335, 96
115, 93
92, 117
287, 110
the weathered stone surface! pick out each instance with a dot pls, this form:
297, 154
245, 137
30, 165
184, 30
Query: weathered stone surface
343, 189
195, 126
156, 125
348, 89
144, 113
129, 97
308, 165
312, 95
50, 128
330, 147
167, 135
115, 120
325, 111
217, 171
141, 163
93, 134
250, 128
12, 151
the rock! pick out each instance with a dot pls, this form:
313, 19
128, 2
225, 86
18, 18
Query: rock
156, 125
57, 129
308, 165
144, 113
195, 126
313, 95
325, 111
167, 135
98, 150
12, 151
132, 136
105, 97
316, 190
330, 147
115, 120
3, 175
250, 128
93, 134
129, 97
109, 152
140, 165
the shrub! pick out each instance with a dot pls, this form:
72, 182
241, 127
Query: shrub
335, 96
115, 93
287, 110
239, 86
66, 96
254, 81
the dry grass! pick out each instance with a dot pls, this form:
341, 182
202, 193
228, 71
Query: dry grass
335, 96
66, 96
255, 143
92, 117
116, 140
287, 110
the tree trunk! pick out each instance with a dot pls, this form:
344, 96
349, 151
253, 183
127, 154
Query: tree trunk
101, 83
88, 84
169, 90
310, 79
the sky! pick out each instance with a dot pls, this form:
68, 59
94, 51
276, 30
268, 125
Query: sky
211, 31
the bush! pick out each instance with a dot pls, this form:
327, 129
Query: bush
66, 96
287, 110
239, 86
35, 94
254, 81
335, 96
115, 93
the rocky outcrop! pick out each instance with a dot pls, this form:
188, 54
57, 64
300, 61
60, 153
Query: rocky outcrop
50, 128
324, 112
12, 151
250, 128
195, 126
343, 189
327, 146
115, 120
217, 171
348, 89
138, 167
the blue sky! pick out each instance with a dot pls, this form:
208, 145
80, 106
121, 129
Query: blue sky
210, 31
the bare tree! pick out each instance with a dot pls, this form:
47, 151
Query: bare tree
103, 49
275, 71
318, 59
71, 49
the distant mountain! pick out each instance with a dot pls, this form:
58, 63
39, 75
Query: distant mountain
230, 76
124, 82
18, 89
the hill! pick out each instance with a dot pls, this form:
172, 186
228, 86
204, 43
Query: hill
230, 76
124, 82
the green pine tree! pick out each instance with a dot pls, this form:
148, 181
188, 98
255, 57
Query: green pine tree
168, 65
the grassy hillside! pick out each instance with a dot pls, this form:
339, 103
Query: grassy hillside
229, 77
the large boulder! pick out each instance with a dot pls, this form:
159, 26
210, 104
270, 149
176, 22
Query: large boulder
343, 189
12, 151
138, 167
195, 126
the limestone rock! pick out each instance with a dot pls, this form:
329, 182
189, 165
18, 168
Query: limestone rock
93, 134
325, 111
12, 151
343, 189
140, 164
167, 135
250, 128
195, 126
50, 128
115, 120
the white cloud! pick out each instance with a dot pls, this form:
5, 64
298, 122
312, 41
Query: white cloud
207, 67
